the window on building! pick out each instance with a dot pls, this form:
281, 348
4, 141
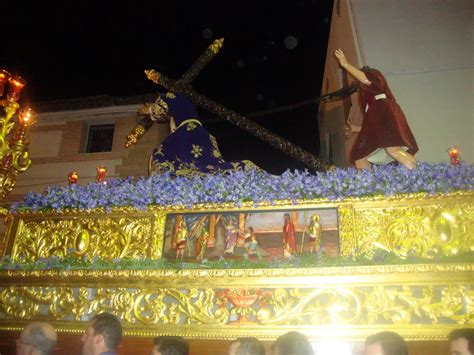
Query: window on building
100, 138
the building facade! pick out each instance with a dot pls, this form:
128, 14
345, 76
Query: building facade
81, 134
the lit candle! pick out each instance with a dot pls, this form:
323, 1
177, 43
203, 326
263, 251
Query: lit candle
453, 152
25, 117
72, 177
4, 76
16, 84
101, 170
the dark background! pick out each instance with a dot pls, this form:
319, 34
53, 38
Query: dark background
273, 55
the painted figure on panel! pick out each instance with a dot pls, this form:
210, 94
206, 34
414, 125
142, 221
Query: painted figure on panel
180, 237
246, 234
314, 231
289, 241
231, 236
201, 244
250, 242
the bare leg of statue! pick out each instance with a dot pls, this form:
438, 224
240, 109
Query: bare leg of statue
363, 164
404, 158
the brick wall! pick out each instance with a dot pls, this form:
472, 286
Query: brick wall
120, 162
73, 141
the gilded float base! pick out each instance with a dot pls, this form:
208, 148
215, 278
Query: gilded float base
421, 302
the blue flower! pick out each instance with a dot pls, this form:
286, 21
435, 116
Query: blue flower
253, 186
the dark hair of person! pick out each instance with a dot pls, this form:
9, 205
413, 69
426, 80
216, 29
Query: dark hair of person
109, 327
171, 345
466, 333
37, 338
293, 343
249, 346
391, 343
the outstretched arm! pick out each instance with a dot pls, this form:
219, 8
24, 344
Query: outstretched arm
356, 73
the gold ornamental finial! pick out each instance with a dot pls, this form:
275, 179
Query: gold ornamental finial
134, 135
216, 45
153, 75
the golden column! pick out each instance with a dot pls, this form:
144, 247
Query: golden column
14, 157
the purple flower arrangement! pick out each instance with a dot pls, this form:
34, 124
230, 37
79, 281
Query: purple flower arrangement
256, 187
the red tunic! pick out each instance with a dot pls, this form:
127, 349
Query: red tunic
384, 123
289, 235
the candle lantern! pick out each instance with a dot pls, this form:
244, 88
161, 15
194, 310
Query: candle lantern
454, 156
101, 170
72, 177
16, 84
25, 119
4, 77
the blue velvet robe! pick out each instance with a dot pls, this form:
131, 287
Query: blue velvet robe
190, 149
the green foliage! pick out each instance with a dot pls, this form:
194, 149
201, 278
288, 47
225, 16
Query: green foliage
305, 260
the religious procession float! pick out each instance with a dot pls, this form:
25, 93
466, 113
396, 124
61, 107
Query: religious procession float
207, 248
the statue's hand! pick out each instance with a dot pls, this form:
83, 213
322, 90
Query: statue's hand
340, 57
145, 110
347, 130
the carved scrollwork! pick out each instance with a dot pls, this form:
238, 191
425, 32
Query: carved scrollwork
103, 236
422, 231
318, 306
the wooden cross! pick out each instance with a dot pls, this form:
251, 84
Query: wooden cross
183, 86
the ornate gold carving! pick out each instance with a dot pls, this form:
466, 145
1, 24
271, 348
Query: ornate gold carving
319, 305
14, 157
406, 304
153, 75
103, 236
417, 229
418, 301
347, 240
135, 135
216, 45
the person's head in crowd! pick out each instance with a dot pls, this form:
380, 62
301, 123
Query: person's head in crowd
385, 343
103, 334
461, 341
170, 345
246, 346
38, 338
292, 343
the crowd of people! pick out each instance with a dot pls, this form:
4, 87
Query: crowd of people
104, 335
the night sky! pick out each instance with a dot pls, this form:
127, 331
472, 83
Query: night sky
273, 55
